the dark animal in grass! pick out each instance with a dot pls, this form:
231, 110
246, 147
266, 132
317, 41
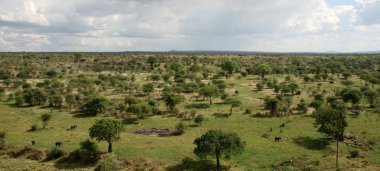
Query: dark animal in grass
277, 139
73, 127
58, 143
33, 142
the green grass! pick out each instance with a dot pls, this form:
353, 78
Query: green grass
299, 137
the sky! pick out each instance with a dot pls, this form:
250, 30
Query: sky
162, 25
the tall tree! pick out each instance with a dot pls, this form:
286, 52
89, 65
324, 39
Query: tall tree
209, 91
106, 130
233, 102
218, 144
45, 118
230, 66
263, 70
95, 105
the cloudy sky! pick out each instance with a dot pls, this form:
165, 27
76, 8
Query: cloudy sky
160, 25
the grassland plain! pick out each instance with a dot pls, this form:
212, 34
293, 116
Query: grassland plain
300, 140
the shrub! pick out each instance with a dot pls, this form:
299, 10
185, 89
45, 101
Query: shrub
2, 139
199, 119
248, 111
55, 153
107, 165
354, 153
34, 127
179, 129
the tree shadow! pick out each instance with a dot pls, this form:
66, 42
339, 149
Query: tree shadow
130, 121
194, 125
82, 115
197, 106
221, 115
190, 164
312, 143
12, 105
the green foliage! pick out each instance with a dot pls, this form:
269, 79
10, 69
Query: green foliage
179, 129
55, 153
218, 144
351, 95
302, 106
2, 139
172, 100
106, 130
148, 88
233, 102
140, 109
263, 70
199, 119
209, 91
35, 97
56, 100
230, 66
273, 105
328, 121
152, 60
95, 105
34, 127
260, 86
131, 100
45, 118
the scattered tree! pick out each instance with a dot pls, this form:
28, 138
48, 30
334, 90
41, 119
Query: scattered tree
218, 144
106, 130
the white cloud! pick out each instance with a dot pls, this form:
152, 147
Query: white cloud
108, 25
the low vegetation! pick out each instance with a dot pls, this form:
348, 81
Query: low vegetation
114, 111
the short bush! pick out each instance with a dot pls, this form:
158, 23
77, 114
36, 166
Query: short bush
107, 165
34, 127
55, 153
354, 153
199, 119
179, 129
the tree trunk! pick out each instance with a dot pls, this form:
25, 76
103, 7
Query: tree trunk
231, 110
262, 75
218, 163
110, 147
210, 100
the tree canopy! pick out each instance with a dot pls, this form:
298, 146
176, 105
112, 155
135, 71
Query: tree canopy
106, 130
218, 144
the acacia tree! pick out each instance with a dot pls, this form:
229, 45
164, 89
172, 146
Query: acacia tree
45, 118
233, 102
152, 60
273, 105
106, 130
326, 119
351, 95
262, 70
172, 100
209, 91
95, 105
218, 144
293, 87
230, 66
140, 109
148, 88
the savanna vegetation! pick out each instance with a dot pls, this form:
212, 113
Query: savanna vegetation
132, 111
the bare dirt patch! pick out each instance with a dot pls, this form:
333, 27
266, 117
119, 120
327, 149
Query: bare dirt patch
161, 132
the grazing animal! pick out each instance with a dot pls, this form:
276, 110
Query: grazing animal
33, 142
58, 143
277, 139
73, 127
